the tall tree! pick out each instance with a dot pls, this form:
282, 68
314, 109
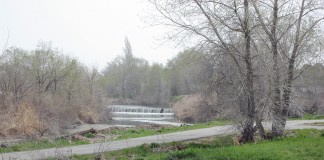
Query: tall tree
222, 25
296, 22
124, 75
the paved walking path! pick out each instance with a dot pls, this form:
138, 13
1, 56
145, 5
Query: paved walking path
127, 143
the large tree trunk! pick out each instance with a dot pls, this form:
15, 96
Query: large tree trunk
291, 65
259, 125
248, 128
287, 92
278, 125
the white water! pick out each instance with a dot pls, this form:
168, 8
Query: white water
134, 115
138, 109
129, 116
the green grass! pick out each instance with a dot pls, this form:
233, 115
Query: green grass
90, 135
40, 144
308, 117
307, 144
141, 132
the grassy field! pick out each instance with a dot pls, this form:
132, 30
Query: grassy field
117, 133
307, 144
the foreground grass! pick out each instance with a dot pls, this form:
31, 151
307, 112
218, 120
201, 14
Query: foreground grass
40, 144
307, 144
142, 132
120, 134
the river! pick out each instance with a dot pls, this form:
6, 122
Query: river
131, 116
137, 115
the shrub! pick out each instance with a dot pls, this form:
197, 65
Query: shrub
88, 115
26, 120
89, 135
193, 109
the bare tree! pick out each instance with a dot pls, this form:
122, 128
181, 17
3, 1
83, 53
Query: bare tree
292, 23
222, 25
264, 27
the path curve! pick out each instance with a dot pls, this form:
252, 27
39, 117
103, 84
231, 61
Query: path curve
127, 143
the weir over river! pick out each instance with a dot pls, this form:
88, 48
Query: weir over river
135, 115
130, 116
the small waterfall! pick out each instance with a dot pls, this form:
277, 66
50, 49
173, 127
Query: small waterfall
138, 109
136, 113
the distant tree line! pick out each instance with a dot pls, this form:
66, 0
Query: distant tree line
131, 80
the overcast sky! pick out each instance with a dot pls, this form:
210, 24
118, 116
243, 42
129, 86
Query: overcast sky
91, 30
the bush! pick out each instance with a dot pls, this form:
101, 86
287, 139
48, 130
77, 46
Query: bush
154, 145
88, 115
89, 135
193, 109
26, 120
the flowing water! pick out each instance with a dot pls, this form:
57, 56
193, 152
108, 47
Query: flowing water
136, 115
129, 116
